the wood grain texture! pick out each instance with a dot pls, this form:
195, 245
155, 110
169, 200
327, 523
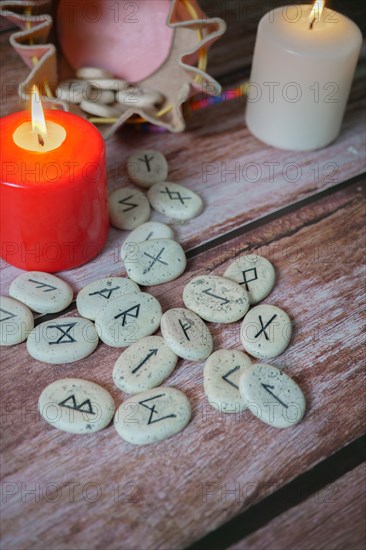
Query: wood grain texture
332, 518
174, 492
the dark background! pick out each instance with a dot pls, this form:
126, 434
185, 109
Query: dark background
230, 58
248, 12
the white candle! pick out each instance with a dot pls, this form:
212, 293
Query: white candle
302, 72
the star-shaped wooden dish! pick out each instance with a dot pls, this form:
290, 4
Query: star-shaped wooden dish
187, 31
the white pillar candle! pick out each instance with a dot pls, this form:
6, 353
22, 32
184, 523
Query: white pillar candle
301, 76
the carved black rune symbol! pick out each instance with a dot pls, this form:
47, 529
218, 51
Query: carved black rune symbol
226, 377
175, 195
105, 292
128, 313
185, 326
149, 235
8, 313
154, 411
224, 300
154, 260
47, 288
268, 388
130, 205
263, 329
153, 351
245, 280
65, 337
147, 161
70, 403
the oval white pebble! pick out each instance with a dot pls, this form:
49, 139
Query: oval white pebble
272, 396
97, 95
139, 98
144, 365
128, 208
111, 84
186, 334
255, 273
16, 321
99, 109
156, 261
92, 72
266, 331
41, 292
128, 319
145, 232
64, 340
221, 376
76, 406
175, 201
96, 296
152, 416
216, 299
147, 167
70, 90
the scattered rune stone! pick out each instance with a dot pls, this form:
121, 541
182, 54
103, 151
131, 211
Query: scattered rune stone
266, 331
175, 201
41, 292
128, 208
147, 167
144, 365
255, 273
272, 396
63, 340
216, 299
186, 334
128, 319
145, 232
156, 261
76, 406
93, 298
221, 376
16, 321
153, 415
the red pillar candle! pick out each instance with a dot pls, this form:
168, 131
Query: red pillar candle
54, 212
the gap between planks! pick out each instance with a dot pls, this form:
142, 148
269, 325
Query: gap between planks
209, 245
289, 496
333, 517
273, 216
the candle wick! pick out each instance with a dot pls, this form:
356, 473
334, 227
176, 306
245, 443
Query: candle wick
312, 24
40, 140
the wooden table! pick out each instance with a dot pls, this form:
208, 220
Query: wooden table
226, 481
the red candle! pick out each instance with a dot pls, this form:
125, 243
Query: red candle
53, 187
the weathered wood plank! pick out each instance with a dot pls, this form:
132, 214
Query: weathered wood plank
332, 518
174, 492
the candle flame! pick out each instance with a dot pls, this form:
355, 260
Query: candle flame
316, 12
38, 120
